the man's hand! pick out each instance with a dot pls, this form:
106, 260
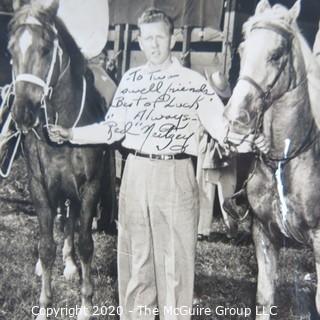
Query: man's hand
59, 134
262, 144
241, 144
245, 144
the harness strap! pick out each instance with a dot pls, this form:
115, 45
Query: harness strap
4, 13
27, 77
305, 145
4, 130
53, 62
83, 100
5, 174
6, 92
254, 83
265, 95
47, 89
285, 33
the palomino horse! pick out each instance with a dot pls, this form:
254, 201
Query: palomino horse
275, 95
52, 86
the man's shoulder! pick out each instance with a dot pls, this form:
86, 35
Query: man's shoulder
191, 74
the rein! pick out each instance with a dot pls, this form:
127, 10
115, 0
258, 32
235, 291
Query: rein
6, 93
4, 13
305, 145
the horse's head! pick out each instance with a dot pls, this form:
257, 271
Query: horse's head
270, 66
34, 48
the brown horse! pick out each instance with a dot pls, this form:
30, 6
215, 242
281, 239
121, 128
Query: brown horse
276, 95
52, 85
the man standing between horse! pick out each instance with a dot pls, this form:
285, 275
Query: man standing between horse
156, 113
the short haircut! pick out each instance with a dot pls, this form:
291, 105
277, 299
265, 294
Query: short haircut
155, 15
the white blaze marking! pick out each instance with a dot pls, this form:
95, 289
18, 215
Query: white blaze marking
25, 42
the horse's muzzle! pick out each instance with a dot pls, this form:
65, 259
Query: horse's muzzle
25, 130
25, 118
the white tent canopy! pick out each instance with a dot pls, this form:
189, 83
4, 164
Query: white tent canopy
88, 23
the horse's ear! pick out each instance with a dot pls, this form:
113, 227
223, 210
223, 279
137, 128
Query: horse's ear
16, 5
262, 6
51, 6
295, 11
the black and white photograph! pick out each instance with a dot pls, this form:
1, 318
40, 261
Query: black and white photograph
160, 159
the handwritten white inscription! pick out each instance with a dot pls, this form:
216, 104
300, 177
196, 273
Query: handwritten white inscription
160, 109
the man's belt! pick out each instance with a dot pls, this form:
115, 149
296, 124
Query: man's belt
178, 156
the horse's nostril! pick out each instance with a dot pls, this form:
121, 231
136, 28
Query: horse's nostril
25, 120
238, 126
244, 117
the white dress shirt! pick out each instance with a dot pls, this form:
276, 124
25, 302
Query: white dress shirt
158, 112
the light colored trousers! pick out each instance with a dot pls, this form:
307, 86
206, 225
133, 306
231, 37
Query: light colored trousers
158, 216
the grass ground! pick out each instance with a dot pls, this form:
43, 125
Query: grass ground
225, 270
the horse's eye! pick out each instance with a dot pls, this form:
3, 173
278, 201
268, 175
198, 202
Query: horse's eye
45, 51
276, 56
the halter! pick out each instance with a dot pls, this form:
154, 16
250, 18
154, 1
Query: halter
9, 91
46, 84
30, 78
265, 95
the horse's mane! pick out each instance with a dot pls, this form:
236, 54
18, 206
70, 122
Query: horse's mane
77, 61
278, 14
313, 75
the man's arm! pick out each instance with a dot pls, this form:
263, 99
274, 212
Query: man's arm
108, 131
210, 115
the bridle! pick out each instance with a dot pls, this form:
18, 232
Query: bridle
266, 100
46, 85
31, 78
265, 95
